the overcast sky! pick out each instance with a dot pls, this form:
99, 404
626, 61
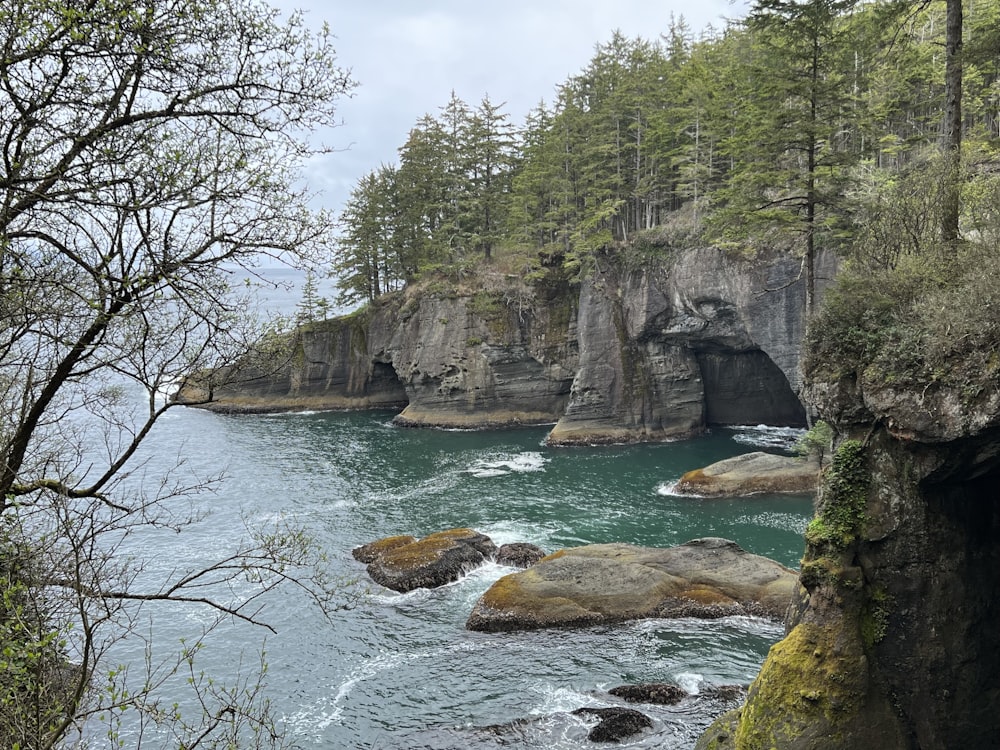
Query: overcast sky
408, 55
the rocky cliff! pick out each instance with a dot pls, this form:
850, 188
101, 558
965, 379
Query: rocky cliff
642, 350
695, 340
896, 643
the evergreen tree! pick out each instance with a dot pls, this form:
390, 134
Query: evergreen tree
794, 130
491, 142
373, 258
423, 180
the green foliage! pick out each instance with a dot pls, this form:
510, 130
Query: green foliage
843, 497
151, 151
875, 616
311, 307
816, 443
803, 128
797, 129
39, 688
916, 311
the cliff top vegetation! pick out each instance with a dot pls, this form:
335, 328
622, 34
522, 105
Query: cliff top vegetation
741, 137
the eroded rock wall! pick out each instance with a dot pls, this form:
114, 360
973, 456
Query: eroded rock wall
649, 351
896, 643
667, 349
486, 359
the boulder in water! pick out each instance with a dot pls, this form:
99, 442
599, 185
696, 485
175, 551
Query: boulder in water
603, 583
616, 724
660, 693
519, 554
751, 473
368, 553
426, 563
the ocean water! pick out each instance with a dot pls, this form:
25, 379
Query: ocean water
400, 670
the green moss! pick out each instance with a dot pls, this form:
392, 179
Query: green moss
808, 683
875, 616
843, 499
492, 310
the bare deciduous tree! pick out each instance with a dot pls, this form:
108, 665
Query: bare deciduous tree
148, 149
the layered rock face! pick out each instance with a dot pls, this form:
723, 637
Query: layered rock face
486, 359
482, 359
897, 644
666, 350
659, 351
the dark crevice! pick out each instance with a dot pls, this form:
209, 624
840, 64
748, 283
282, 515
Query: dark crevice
747, 388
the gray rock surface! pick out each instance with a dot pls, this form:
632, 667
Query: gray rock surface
603, 583
749, 474
519, 554
703, 339
895, 644
649, 353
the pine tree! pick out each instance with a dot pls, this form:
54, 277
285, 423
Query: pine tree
793, 137
491, 143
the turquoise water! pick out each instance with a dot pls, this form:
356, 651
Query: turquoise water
400, 670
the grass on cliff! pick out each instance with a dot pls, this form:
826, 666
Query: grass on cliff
910, 311
931, 320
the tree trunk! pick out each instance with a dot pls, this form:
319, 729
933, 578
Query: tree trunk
952, 121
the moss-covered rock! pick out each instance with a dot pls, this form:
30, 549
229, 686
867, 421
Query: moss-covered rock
604, 583
751, 473
429, 562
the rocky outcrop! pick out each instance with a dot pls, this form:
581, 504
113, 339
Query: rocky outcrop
750, 474
519, 554
472, 359
661, 693
651, 352
615, 724
402, 564
665, 694
896, 643
322, 365
604, 583
667, 349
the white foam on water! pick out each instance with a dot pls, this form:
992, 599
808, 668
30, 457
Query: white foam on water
507, 463
669, 489
689, 682
561, 700
507, 532
487, 473
329, 710
765, 436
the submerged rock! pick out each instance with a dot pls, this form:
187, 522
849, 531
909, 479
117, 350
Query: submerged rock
602, 583
661, 693
616, 724
667, 694
751, 473
430, 562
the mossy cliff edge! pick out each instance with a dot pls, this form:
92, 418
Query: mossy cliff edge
895, 642
646, 348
